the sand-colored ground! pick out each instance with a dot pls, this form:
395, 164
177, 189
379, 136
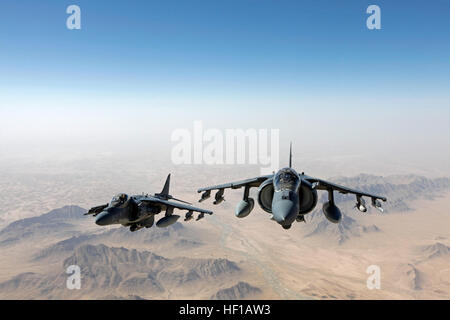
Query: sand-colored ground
284, 264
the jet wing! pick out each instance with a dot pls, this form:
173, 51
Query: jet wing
253, 182
325, 185
96, 210
174, 204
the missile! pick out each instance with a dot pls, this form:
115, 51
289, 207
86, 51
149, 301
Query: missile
219, 197
205, 196
377, 204
200, 216
189, 215
361, 204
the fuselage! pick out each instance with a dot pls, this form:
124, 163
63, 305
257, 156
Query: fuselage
286, 202
126, 211
113, 215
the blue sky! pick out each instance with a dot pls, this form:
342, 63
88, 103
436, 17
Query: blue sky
139, 69
235, 50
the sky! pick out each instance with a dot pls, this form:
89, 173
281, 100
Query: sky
137, 70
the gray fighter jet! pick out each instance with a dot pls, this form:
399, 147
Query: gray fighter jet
139, 211
289, 196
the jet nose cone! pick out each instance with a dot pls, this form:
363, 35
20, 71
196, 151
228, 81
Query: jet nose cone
284, 211
103, 218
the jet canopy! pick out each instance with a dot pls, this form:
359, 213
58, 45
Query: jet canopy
286, 179
118, 200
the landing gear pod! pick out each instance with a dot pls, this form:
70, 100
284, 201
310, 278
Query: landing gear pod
244, 208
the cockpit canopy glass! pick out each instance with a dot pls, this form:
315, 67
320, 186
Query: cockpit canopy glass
286, 179
118, 200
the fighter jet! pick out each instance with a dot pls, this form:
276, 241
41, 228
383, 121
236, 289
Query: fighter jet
139, 211
289, 196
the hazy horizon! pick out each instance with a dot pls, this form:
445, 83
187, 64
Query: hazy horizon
103, 101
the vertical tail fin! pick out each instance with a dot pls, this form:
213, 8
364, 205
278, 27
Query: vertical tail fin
165, 190
290, 156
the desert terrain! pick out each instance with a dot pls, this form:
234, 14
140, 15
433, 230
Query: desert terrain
43, 231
